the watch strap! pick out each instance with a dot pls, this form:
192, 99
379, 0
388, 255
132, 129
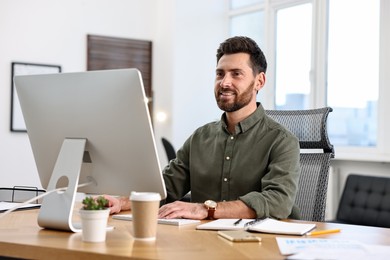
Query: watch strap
210, 213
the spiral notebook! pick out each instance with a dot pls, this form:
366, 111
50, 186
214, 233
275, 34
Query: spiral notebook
267, 225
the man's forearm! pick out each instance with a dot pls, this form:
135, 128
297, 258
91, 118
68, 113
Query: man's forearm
234, 209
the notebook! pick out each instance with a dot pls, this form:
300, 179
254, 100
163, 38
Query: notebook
267, 225
224, 224
274, 226
172, 221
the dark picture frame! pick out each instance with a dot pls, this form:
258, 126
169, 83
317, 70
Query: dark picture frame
23, 68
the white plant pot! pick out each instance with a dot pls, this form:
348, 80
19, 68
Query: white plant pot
94, 224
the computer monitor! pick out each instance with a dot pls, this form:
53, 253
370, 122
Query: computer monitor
88, 127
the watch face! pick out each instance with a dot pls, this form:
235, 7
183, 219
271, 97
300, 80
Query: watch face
210, 204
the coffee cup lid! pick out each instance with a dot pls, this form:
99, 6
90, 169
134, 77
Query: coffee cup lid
145, 196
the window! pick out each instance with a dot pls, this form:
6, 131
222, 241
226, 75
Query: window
248, 25
235, 4
293, 57
353, 71
324, 53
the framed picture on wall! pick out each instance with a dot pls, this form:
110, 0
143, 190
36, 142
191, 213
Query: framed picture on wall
22, 68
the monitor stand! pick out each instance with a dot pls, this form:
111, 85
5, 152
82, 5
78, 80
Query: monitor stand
57, 207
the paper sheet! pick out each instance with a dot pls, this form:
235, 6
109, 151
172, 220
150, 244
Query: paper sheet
338, 249
4, 206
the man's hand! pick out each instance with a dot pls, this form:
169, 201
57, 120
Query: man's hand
117, 204
226, 209
180, 209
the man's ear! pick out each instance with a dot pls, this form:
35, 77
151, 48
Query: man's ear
260, 81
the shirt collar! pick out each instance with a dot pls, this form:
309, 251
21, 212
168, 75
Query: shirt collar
248, 122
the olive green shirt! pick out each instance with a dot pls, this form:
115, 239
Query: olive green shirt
258, 165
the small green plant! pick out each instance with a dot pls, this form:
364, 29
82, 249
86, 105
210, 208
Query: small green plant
99, 203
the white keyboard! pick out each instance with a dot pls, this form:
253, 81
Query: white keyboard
165, 221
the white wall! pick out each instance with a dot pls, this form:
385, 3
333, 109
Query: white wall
194, 101
196, 28
54, 32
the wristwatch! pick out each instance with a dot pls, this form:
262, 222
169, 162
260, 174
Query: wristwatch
211, 206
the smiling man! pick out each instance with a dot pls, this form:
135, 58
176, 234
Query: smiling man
243, 166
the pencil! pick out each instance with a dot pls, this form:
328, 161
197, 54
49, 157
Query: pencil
323, 232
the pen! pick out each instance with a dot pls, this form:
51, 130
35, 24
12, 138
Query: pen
237, 222
323, 232
253, 222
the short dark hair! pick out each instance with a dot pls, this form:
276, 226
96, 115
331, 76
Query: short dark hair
244, 44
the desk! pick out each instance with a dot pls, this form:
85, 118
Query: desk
20, 236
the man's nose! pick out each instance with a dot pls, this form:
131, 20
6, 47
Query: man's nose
226, 81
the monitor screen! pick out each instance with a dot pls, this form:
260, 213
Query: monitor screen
96, 123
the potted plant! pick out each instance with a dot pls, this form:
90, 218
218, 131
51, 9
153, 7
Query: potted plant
94, 215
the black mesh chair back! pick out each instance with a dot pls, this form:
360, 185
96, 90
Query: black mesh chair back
169, 149
310, 126
365, 201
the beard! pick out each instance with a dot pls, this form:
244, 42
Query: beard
238, 102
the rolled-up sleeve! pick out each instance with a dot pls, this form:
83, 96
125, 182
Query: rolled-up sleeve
280, 183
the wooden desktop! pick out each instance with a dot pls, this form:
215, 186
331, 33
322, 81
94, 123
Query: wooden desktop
21, 237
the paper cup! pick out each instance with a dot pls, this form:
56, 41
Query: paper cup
144, 208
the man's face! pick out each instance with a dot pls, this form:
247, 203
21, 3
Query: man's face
235, 84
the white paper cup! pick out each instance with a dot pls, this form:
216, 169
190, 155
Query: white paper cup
144, 208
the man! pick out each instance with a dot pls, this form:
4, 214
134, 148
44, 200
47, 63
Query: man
243, 166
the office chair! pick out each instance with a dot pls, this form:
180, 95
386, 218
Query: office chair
365, 201
171, 154
310, 127
169, 150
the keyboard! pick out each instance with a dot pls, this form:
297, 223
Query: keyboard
165, 221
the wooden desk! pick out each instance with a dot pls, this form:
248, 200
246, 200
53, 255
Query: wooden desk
20, 236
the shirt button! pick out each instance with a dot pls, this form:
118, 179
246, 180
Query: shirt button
227, 158
225, 179
231, 137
